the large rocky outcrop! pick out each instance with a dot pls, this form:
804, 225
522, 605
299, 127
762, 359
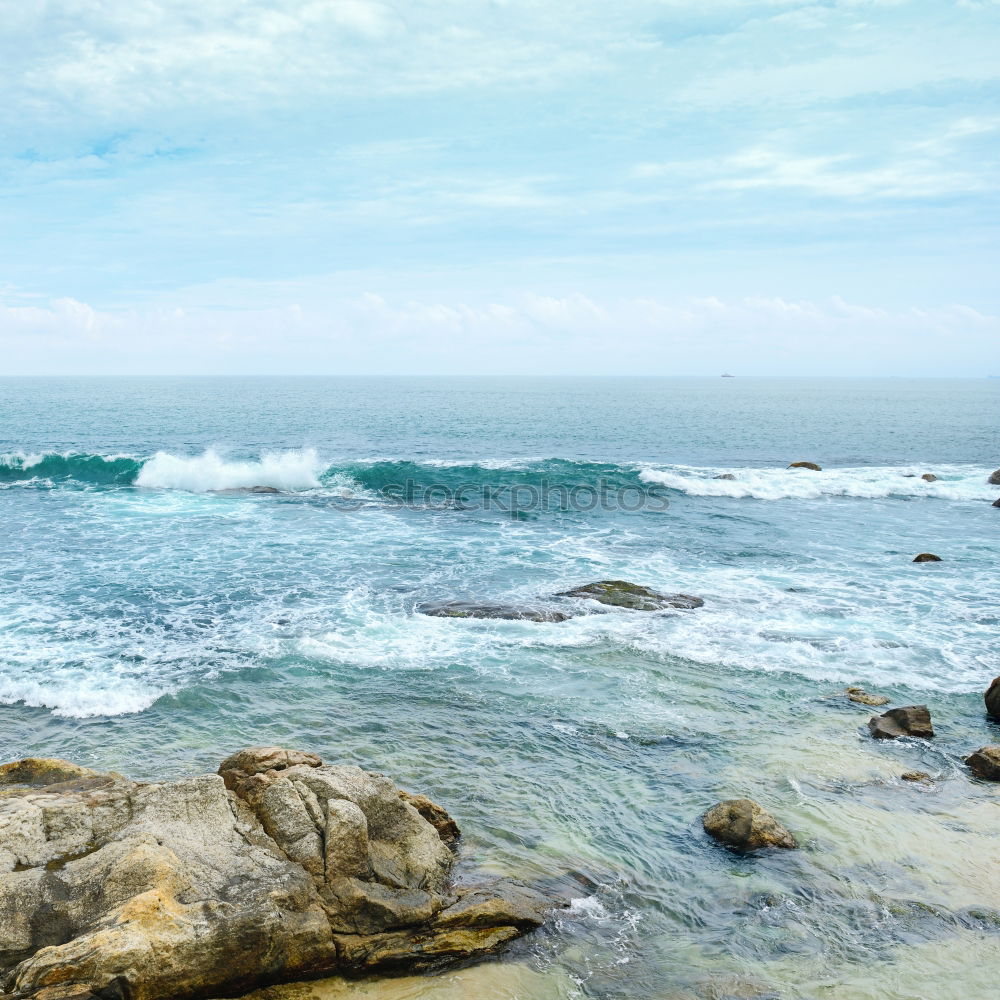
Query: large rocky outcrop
279, 867
621, 594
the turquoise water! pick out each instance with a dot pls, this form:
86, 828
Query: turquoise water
151, 625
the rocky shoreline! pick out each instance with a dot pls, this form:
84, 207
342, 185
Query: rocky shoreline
277, 868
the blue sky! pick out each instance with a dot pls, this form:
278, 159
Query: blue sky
499, 186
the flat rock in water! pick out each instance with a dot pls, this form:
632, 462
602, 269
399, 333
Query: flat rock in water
745, 825
278, 868
926, 557
504, 612
918, 776
621, 594
992, 699
985, 762
862, 697
806, 465
929, 477
912, 720
725, 475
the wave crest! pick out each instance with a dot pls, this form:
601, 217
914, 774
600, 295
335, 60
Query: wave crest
286, 470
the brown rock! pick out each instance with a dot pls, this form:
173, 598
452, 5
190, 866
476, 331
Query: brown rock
745, 826
992, 699
929, 477
862, 697
994, 478
282, 868
912, 720
921, 776
806, 465
985, 762
621, 594
926, 557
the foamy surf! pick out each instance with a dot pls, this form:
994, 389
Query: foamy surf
286, 470
958, 483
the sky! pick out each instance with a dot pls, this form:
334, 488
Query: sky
766, 187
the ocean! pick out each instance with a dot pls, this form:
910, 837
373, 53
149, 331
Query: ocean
155, 616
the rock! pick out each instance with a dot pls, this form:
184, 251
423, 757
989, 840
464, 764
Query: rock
806, 465
745, 826
620, 594
927, 557
862, 697
725, 475
994, 479
238, 490
279, 868
466, 609
929, 477
921, 776
985, 762
992, 699
913, 720
996, 503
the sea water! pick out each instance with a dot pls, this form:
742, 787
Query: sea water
155, 616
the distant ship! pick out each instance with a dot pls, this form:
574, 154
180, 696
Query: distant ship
727, 375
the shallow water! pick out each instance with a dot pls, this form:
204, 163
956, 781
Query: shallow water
152, 626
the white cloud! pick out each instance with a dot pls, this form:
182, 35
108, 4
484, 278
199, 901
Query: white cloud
570, 334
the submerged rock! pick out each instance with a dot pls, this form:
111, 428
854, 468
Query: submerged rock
929, 477
746, 826
921, 776
621, 594
278, 868
994, 478
992, 699
806, 465
505, 612
985, 762
725, 475
912, 720
926, 557
862, 697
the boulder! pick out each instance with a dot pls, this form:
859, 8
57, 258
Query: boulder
620, 594
862, 697
278, 868
992, 699
912, 720
929, 477
744, 825
505, 612
996, 503
985, 763
994, 478
926, 557
725, 475
919, 776
806, 465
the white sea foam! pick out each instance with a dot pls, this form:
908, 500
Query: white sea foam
287, 470
961, 483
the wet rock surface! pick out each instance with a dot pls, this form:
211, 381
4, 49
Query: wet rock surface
912, 720
926, 557
992, 698
504, 612
862, 697
279, 867
985, 763
621, 594
745, 825
806, 465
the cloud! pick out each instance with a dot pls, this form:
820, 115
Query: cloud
529, 334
